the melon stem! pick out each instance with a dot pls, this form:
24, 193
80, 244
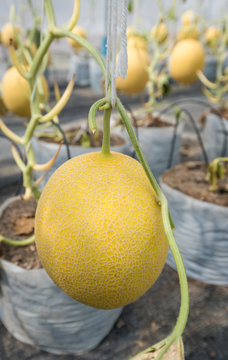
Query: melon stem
106, 132
23, 242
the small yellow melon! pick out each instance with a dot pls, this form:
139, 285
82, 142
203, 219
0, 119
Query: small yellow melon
99, 230
137, 74
16, 92
135, 39
186, 59
160, 33
189, 17
188, 32
212, 35
7, 33
78, 31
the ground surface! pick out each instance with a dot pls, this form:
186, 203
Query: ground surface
152, 317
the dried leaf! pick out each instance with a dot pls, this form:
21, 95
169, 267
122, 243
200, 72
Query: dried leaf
175, 352
24, 225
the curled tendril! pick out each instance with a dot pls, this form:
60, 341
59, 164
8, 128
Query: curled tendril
92, 114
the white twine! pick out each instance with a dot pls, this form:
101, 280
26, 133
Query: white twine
114, 45
109, 50
111, 67
123, 60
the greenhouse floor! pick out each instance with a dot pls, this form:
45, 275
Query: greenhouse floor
151, 318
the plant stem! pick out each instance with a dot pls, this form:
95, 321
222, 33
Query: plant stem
75, 15
49, 12
30, 129
58, 32
92, 114
137, 147
40, 54
184, 307
106, 132
17, 242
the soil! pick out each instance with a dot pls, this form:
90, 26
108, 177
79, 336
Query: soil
223, 112
85, 138
17, 223
150, 120
190, 179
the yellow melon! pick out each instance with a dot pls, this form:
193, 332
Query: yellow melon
137, 41
99, 230
188, 17
137, 74
7, 33
188, 32
16, 92
186, 59
78, 31
212, 35
160, 33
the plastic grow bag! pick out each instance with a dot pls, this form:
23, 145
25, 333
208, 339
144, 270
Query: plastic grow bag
35, 311
202, 236
213, 136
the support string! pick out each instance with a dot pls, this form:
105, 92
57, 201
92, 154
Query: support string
113, 69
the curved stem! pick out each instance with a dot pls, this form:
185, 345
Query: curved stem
75, 15
57, 32
92, 114
184, 307
137, 147
60, 104
205, 80
10, 134
49, 12
40, 54
17, 242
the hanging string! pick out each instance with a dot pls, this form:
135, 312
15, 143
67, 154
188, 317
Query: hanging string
114, 70
123, 60
114, 45
109, 42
